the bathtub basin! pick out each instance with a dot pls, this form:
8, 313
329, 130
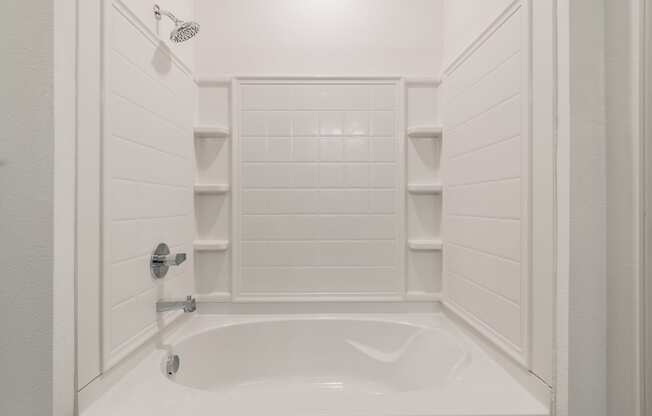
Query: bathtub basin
305, 365
320, 355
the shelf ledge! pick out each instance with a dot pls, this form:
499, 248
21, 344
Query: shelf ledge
205, 132
425, 245
215, 189
422, 297
425, 132
211, 245
214, 297
425, 189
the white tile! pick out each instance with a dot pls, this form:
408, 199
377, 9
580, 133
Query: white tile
129, 318
494, 273
254, 149
498, 86
383, 175
331, 149
498, 237
318, 280
279, 149
499, 123
280, 227
305, 149
499, 199
343, 201
382, 123
136, 162
356, 149
383, 150
306, 123
498, 313
280, 202
306, 97
262, 175
331, 123
280, 253
280, 175
355, 97
331, 175
357, 227
382, 202
254, 123
323, 223
305, 175
135, 200
356, 123
356, 175
358, 253
279, 123
496, 162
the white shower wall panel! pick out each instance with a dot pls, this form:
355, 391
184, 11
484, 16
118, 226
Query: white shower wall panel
148, 175
486, 177
319, 202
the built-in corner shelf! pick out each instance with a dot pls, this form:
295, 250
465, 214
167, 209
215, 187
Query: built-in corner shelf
212, 189
211, 132
425, 189
211, 245
425, 245
425, 132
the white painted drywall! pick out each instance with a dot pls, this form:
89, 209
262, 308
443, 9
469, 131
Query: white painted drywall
26, 209
63, 305
587, 322
624, 217
465, 20
543, 189
319, 37
89, 190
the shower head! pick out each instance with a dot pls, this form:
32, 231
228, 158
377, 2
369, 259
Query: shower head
182, 30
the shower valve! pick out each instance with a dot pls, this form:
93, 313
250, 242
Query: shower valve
161, 260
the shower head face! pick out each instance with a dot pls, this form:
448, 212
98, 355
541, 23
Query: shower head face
184, 31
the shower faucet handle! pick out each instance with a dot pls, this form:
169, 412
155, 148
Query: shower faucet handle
171, 260
161, 260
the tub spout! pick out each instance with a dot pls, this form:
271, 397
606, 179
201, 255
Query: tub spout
188, 305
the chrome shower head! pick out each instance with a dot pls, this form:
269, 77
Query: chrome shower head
182, 30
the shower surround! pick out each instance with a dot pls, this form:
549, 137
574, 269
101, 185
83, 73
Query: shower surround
361, 242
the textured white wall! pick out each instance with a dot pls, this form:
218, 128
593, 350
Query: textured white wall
623, 207
587, 321
319, 37
26, 209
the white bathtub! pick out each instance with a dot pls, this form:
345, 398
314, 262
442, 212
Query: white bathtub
319, 365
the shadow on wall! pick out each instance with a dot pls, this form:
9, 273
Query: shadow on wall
161, 60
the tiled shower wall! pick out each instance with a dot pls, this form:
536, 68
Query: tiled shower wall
320, 207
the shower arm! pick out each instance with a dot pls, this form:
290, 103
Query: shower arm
158, 12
